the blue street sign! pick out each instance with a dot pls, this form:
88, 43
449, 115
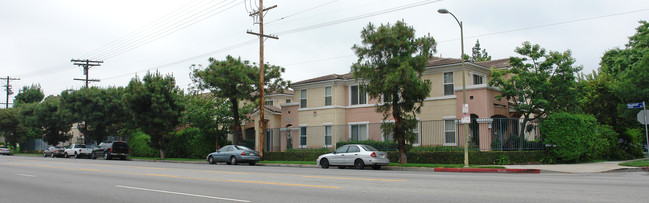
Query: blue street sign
634, 106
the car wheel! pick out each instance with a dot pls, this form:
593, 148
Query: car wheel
376, 167
324, 163
359, 164
93, 156
210, 160
252, 163
44, 154
66, 155
76, 155
52, 155
106, 156
233, 160
342, 167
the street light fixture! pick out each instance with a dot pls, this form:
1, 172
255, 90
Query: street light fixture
465, 107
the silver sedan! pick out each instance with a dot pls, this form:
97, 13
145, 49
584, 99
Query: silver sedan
356, 155
233, 154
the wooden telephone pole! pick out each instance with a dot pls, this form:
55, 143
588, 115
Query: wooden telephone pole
8, 89
262, 122
86, 64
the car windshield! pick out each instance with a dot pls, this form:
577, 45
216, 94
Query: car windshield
81, 146
243, 148
369, 148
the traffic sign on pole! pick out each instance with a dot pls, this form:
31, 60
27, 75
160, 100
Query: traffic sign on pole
635, 105
642, 115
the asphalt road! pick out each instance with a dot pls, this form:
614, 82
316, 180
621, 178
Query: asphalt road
37, 179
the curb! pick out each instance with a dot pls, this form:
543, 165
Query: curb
487, 170
645, 169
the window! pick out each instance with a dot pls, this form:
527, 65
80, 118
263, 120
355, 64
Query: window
327, 96
353, 149
302, 136
302, 98
416, 132
268, 102
358, 96
342, 149
327, 136
448, 84
449, 132
478, 79
288, 101
358, 132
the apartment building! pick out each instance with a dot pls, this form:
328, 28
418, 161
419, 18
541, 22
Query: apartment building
332, 108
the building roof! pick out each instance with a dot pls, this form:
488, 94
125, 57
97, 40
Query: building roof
326, 78
498, 63
439, 61
432, 62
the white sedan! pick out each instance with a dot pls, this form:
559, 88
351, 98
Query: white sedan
356, 155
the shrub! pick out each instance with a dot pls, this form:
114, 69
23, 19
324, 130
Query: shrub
138, 144
577, 137
380, 145
457, 157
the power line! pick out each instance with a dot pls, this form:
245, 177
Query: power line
303, 11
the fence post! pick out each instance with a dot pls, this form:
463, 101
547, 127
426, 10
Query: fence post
501, 134
421, 137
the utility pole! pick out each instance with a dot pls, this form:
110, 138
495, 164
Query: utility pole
8, 89
262, 122
86, 64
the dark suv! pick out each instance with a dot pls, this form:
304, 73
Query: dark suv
110, 149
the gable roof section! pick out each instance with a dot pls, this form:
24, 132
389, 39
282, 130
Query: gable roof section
498, 63
326, 78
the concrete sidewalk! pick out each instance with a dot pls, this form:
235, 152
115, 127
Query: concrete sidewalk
599, 167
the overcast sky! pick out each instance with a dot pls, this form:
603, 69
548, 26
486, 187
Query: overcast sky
39, 38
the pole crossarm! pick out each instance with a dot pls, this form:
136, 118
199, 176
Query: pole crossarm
267, 36
86, 64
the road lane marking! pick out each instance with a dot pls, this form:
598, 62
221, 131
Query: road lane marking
180, 193
194, 178
26, 175
342, 178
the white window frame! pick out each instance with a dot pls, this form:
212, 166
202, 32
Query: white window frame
444, 83
418, 132
330, 135
303, 97
482, 77
330, 96
454, 130
269, 102
367, 129
305, 128
357, 96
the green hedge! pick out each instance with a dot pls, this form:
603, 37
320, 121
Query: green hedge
475, 157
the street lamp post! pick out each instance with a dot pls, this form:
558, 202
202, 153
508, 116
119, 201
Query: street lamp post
464, 106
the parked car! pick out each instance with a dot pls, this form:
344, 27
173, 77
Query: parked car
110, 149
54, 151
356, 155
78, 151
233, 154
5, 150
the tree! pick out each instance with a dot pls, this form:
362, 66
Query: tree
156, 106
390, 65
477, 54
99, 112
213, 116
11, 127
54, 120
237, 80
538, 82
30, 94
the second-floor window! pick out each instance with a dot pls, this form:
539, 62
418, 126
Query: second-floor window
449, 89
268, 103
302, 98
357, 95
327, 96
478, 79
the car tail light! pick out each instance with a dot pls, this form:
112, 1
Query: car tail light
373, 154
111, 149
243, 153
